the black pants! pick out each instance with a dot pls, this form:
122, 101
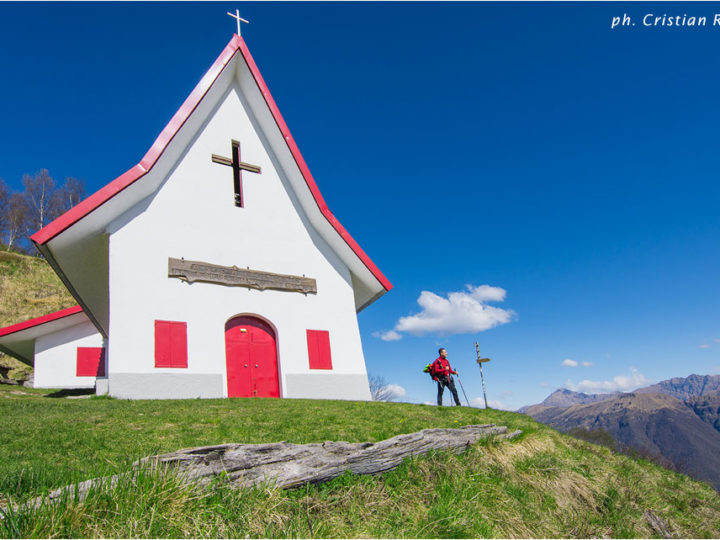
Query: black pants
442, 383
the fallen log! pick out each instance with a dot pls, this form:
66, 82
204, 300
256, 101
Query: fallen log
657, 524
288, 465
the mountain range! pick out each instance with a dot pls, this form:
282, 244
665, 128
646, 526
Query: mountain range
676, 421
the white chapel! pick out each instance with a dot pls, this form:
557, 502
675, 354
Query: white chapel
212, 268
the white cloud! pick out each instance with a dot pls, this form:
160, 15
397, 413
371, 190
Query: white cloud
460, 313
395, 390
544, 385
568, 362
390, 335
705, 346
621, 383
478, 402
429, 403
497, 404
717, 340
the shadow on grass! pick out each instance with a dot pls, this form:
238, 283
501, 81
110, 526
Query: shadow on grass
71, 392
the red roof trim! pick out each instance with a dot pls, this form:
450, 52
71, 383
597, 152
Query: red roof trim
106, 193
309, 180
100, 197
40, 320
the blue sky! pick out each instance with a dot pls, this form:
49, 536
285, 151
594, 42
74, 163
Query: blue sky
569, 167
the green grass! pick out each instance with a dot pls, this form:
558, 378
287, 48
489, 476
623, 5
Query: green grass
542, 484
62, 440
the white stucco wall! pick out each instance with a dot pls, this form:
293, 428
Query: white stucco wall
193, 217
56, 356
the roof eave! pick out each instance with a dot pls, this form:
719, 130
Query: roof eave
16, 355
50, 258
37, 321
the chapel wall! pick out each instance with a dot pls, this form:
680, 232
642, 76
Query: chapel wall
56, 356
192, 216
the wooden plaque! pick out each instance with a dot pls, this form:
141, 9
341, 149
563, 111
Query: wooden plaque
191, 271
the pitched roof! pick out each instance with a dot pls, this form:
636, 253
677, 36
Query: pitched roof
133, 175
40, 320
18, 339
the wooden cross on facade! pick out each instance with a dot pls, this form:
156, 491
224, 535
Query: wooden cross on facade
237, 167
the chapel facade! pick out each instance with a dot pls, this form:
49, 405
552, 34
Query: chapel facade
213, 268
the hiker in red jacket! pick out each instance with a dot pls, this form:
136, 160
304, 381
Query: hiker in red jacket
442, 374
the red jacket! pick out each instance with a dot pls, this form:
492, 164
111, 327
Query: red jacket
441, 367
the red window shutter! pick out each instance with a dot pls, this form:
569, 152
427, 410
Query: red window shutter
170, 344
90, 362
319, 349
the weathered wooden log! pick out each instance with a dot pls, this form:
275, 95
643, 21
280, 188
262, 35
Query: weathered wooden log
657, 524
288, 465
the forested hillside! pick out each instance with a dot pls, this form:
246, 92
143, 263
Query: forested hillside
28, 288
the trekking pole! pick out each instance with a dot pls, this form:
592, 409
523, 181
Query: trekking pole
461, 388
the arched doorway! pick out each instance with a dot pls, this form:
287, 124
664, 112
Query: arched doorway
251, 356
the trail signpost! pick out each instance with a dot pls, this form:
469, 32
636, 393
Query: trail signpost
480, 362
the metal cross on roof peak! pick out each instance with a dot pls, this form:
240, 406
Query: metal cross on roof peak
236, 15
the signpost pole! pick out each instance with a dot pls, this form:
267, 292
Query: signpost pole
480, 362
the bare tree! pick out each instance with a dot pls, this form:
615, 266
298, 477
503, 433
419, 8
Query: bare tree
380, 389
41, 199
17, 219
71, 193
40, 203
4, 206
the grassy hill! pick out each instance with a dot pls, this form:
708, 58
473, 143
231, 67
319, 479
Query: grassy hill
28, 288
542, 484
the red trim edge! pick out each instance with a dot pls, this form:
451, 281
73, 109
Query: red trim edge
309, 180
103, 195
40, 320
107, 192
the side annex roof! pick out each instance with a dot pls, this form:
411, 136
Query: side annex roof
18, 340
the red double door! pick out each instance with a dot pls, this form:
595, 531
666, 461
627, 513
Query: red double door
251, 356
